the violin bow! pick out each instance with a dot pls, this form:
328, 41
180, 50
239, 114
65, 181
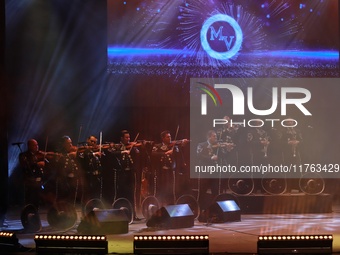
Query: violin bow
100, 141
219, 139
134, 141
176, 132
217, 151
79, 134
175, 137
45, 150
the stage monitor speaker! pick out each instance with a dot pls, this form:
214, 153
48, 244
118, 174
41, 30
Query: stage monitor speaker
223, 211
170, 244
172, 216
295, 244
104, 221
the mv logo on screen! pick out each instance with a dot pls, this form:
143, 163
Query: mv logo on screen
221, 37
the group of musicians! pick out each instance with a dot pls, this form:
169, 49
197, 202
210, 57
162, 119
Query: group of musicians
144, 168
236, 145
75, 173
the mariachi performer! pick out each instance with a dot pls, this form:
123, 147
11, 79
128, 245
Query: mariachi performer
126, 161
166, 157
90, 160
33, 163
68, 173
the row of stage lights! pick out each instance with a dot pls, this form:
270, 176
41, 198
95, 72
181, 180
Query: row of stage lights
295, 237
171, 237
167, 244
70, 237
295, 244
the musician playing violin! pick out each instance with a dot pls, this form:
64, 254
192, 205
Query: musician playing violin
232, 137
33, 169
126, 160
165, 157
90, 160
209, 153
68, 174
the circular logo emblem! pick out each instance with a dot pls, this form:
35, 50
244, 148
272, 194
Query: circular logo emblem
232, 51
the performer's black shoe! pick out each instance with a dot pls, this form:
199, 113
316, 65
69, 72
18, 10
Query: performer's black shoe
136, 219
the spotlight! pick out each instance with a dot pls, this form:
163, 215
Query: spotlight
61, 244
171, 244
295, 244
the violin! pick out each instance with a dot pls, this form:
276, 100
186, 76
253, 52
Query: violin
72, 152
127, 146
106, 146
41, 155
95, 148
133, 144
81, 148
50, 155
73, 149
229, 146
179, 142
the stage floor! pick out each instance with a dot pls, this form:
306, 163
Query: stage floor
239, 237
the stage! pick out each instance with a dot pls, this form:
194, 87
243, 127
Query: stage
233, 237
